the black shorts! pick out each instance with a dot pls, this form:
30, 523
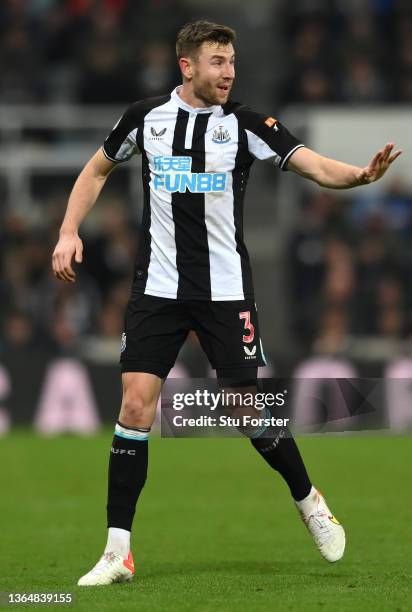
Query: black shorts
156, 328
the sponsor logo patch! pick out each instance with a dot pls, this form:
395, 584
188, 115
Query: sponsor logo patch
250, 352
157, 135
173, 174
270, 121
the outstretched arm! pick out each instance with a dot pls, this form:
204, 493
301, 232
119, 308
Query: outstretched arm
83, 196
338, 175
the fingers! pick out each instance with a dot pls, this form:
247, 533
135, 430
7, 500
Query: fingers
67, 270
387, 151
67, 247
62, 268
380, 163
376, 160
394, 156
384, 158
61, 264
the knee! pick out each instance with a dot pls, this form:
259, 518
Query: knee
136, 412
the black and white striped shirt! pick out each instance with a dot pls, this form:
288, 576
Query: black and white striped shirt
195, 168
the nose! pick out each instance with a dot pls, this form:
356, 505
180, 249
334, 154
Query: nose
229, 71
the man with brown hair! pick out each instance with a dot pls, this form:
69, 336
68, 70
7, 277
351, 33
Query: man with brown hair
193, 270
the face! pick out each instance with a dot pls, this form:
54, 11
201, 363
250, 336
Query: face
212, 73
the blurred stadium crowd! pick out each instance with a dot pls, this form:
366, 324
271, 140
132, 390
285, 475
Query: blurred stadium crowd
349, 261
114, 51
351, 269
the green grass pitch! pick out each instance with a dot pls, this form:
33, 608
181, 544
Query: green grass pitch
215, 528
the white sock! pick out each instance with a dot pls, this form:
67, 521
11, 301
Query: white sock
306, 504
118, 541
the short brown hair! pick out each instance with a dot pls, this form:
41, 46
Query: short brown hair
193, 35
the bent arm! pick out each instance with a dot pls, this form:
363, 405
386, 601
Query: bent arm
85, 191
82, 198
334, 174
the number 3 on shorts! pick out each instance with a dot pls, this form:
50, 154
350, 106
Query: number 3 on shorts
248, 325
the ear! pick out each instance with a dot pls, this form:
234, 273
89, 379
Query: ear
186, 67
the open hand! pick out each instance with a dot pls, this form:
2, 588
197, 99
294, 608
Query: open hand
379, 165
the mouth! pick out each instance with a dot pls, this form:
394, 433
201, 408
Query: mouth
224, 88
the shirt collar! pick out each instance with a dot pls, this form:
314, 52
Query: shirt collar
190, 109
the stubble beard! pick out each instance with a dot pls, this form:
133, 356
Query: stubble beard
205, 92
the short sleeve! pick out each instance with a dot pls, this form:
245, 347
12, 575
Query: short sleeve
268, 139
120, 145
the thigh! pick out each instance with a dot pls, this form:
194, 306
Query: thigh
155, 329
229, 334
